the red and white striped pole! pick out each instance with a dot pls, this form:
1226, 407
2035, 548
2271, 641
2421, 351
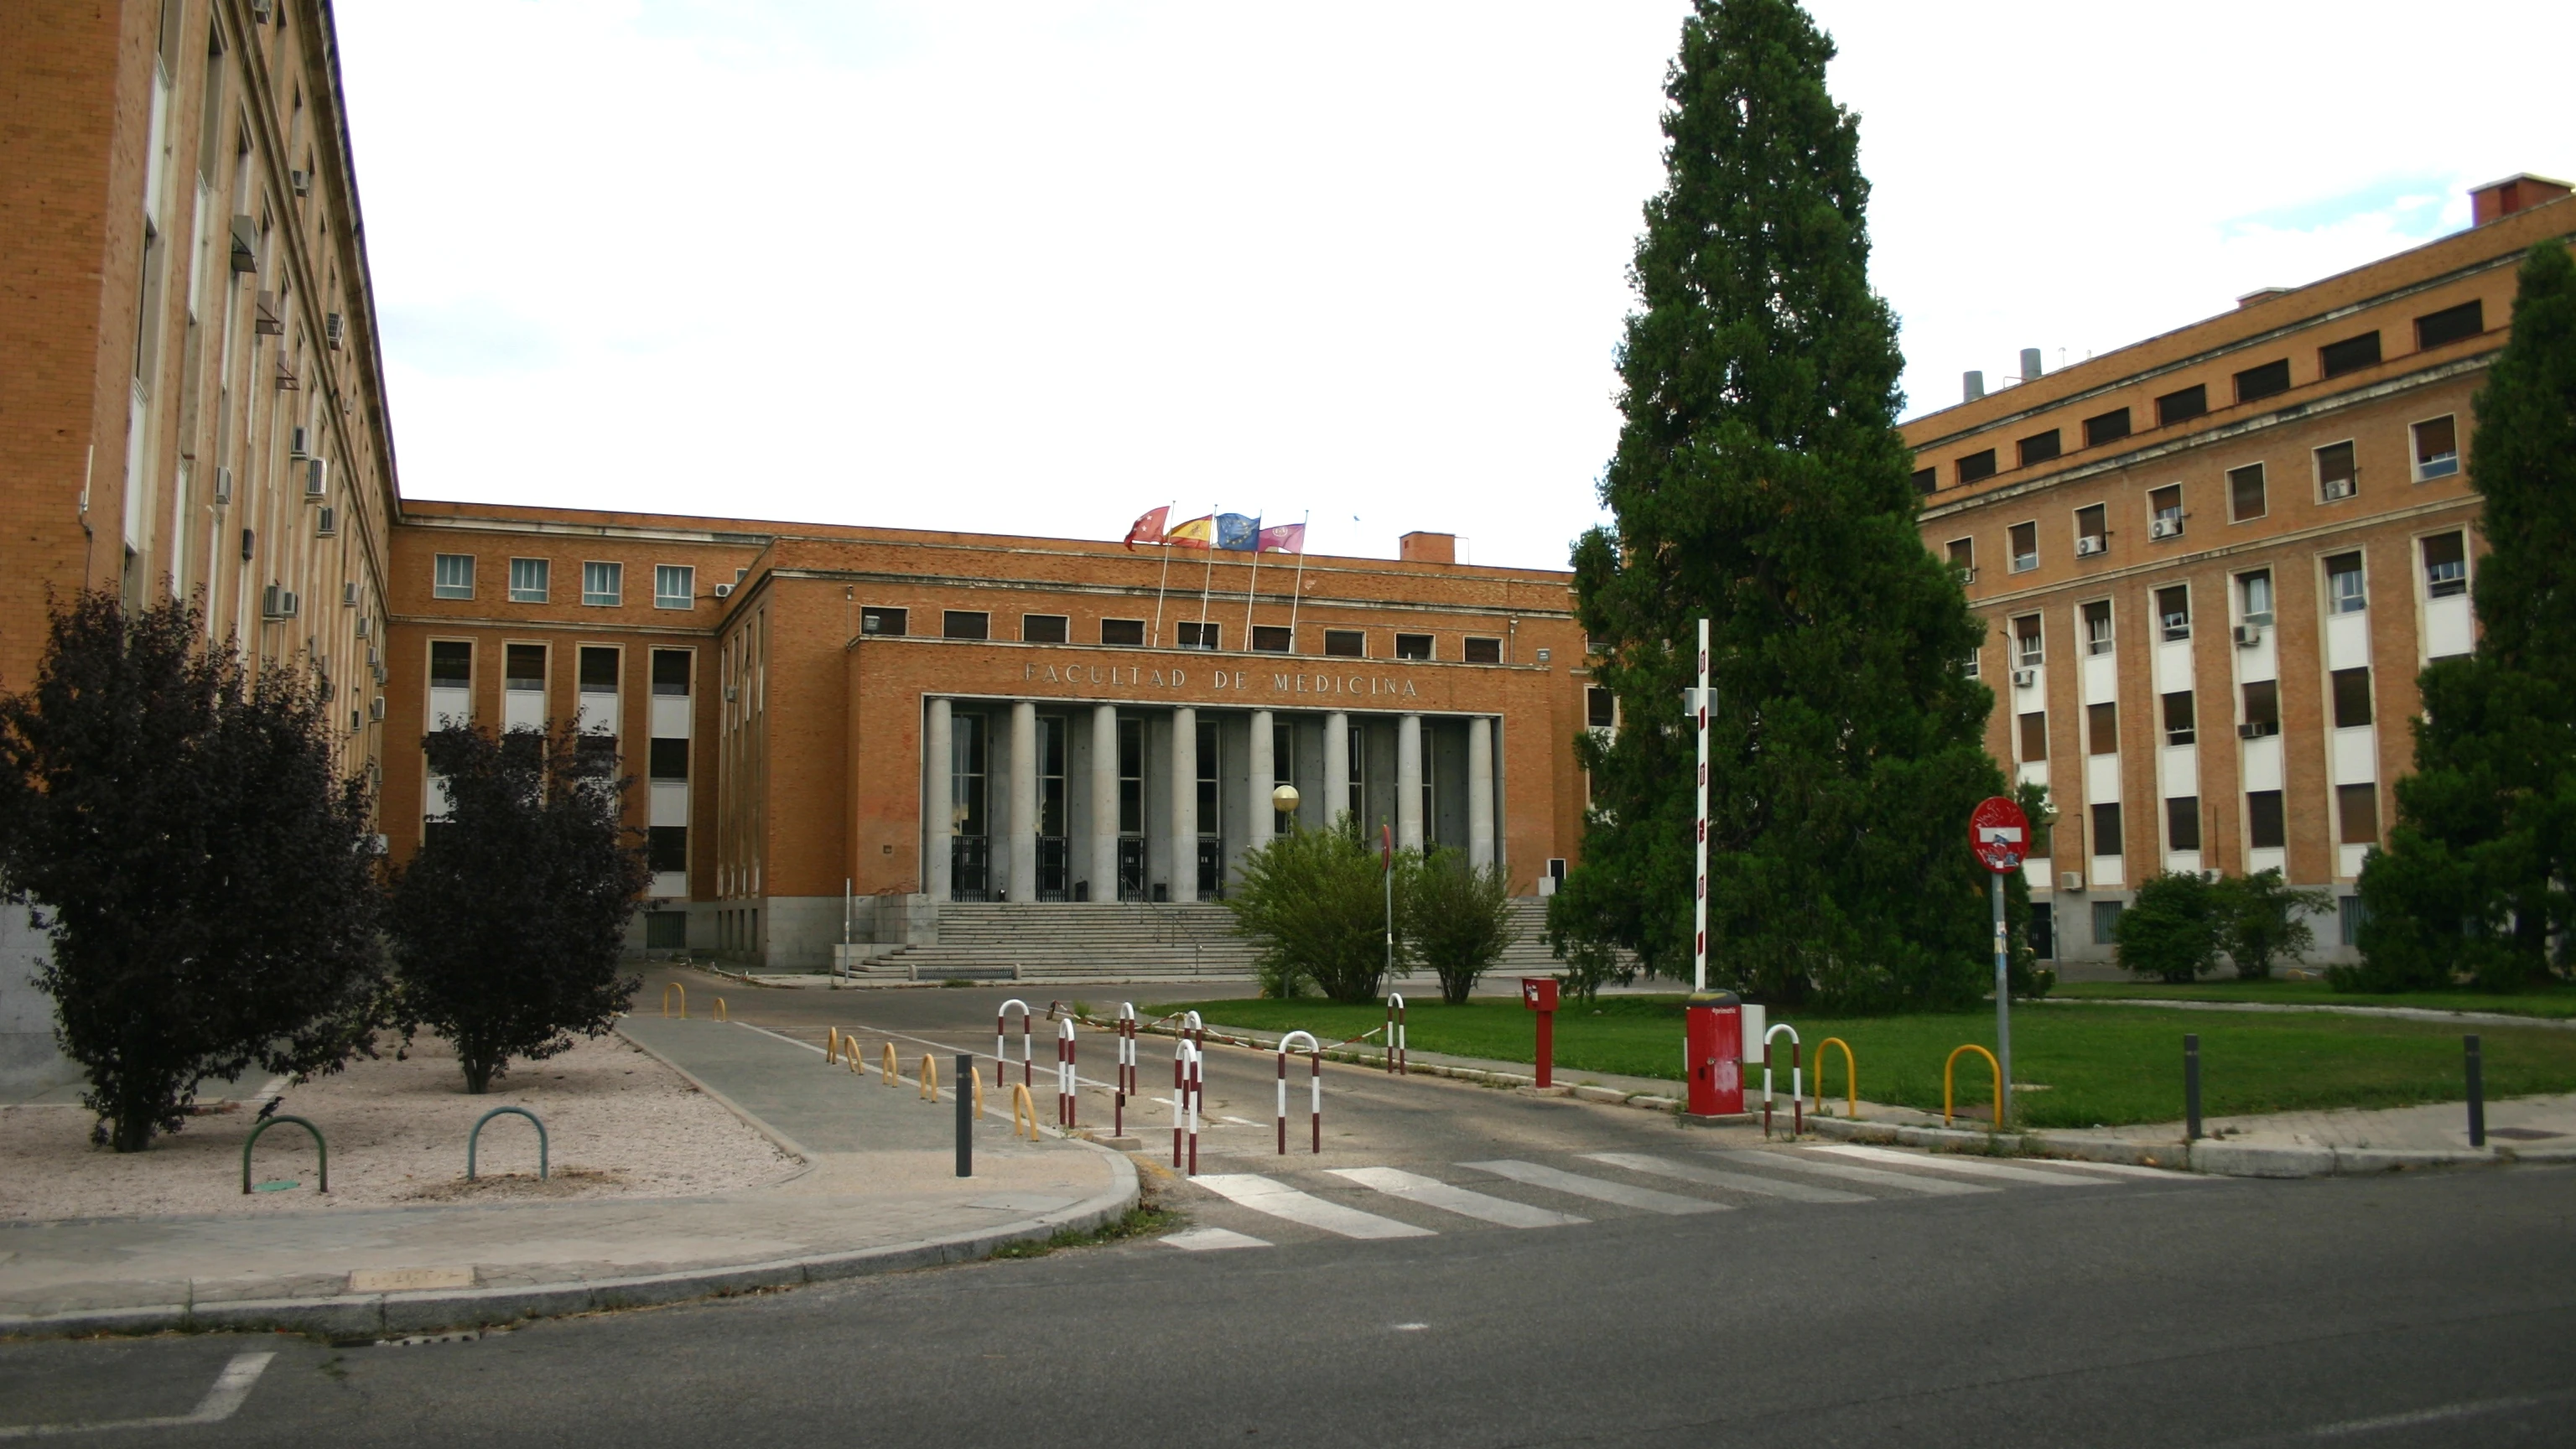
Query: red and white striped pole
1001, 1045
1198, 1051
1699, 893
1126, 1046
1395, 1034
1198, 1089
1067, 1085
1180, 1094
1314, 1054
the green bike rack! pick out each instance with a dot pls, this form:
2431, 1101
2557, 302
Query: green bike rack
475, 1136
320, 1146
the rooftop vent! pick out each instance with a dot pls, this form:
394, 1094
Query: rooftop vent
2030, 364
2514, 193
1972, 386
1428, 548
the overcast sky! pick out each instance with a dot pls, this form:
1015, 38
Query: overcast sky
1036, 267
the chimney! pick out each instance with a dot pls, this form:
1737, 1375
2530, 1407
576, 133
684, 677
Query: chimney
1972, 386
2030, 364
2498, 199
1439, 548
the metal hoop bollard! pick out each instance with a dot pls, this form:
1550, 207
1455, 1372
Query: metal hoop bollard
1028, 1052
475, 1136
320, 1147
667, 988
975, 1079
890, 1066
1945, 1081
1185, 1108
929, 1078
1851, 1077
720, 1010
1395, 1035
1022, 1102
832, 1048
1067, 1085
1315, 1079
1797, 1083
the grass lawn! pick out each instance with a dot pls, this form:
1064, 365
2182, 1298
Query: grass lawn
2101, 1064
2560, 1002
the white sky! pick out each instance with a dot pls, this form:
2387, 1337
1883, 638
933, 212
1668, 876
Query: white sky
1036, 267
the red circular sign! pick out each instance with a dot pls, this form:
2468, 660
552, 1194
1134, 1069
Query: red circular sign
2000, 835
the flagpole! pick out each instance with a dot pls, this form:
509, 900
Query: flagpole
1249, 589
1162, 583
1297, 590
1207, 580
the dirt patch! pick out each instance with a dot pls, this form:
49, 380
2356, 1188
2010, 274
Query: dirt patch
618, 1124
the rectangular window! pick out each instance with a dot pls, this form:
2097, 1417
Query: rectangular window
452, 576
1600, 708
2357, 812
1346, 643
2437, 449
1194, 635
598, 670
666, 848
603, 585
2092, 530
2164, 512
2181, 727
2352, 697
2025, 547
2245, 498
2338, 475
965, 624
2097, 627
2254, 595
2263, 825
2262, 382
885, 623
675, 586
671, 672
670, 759
2350, 355
528, 580
2106, 829
2450, 324
1130, 632
2182, 823
1963, 557
523, 667
1976, 466
2182, 406
2028, 649
2173, 611
2349, 915
2102, 727
1044, 628
451, 664
1131, 786
2038, 447
1927, 480
1412, 646
1270, 638
2262, 709
2034, 737
2106, 923
2446, 565
2107, 427
1482, 651
2344, 591
666, 930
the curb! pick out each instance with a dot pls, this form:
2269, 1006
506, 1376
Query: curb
2216, 1158
1516, 1081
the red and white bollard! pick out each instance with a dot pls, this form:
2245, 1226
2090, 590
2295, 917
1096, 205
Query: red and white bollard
1067, 1085
1315, 1080
1395, 1035
1127, 1046
1185, 1105
1797, 1082
1001, 1054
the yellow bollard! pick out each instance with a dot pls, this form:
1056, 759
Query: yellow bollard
929, 1078
832, 1048
1999, 1082
1021, 1101
850, 1056
975, 1075
667, 989
1851, 1078
720, 1010
891, 1066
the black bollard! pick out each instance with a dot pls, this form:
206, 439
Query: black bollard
2477, 1092
2191, 1087
965, 1081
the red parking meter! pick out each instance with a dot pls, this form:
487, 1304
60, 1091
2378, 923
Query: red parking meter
1713, 1053
1538, 993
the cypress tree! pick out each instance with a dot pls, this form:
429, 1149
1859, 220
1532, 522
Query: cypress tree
2476, 875
1760, 481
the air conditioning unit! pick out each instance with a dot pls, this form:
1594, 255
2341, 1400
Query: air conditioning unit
317, 478
301, 181
2164, 528
326, 523
2248, 635
2337, 489
2025, 678
2258, 729
223, 486
349, 599
278, 602
2070, 880
1967, 575
296, 443
250, 541
260, 10
335, 329
372, 660
724, 591
363, 627
381, 676
376, 708
2089, 544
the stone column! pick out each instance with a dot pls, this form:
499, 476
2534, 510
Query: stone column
938, 803
1104, 802
1408, 782
1260, 778
1337, 767
1185, 804
1480, 792
1024, 801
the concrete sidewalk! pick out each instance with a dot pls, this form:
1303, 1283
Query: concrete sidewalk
877, 1193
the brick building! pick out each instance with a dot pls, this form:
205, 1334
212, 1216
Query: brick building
2214, 562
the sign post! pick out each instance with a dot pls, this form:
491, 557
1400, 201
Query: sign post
2000, 834
1699, 888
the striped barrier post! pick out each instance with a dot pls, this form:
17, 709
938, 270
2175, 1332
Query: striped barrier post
1066, 1083
1127, 1046
1197, 1030
1395, 1034
1198, 1097
1315, 1080
1797, 1083
1185, 1115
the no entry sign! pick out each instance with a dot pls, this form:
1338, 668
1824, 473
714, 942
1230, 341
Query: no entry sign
2000, 834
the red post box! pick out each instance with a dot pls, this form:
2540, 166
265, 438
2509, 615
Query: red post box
1713, 1053
1538, 993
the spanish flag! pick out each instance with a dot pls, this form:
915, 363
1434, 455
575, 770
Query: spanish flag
1197, 533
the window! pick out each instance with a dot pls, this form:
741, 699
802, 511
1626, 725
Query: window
1976, 466
669, 760
2182, 406
888, 623
2164, 508
523, 667
1482, 651
2043, 931
2262, 709
2027, 648
1927, 480
2106, 829
965, 624
2437, 449
1043, 628
603, 585
1412, 646
598, 670
2038, 448
2263, 827
1131, 797
1130, 632
452, 576
2097, 627
2173, 611
671, 672
2254, 594
666, 930
528, 580
1600, 707
2102, 728
2350, 355
675, 586
2107, 427
2350, 915
2034, 737
451, 664
2092, 530
1348, 644
2025, 547
2262, 382
2450, 324
2446, 565
2245, 499
1270, 638
2106, 923
2344, 591
2352, 697
2182, 823
2180, 724
1963, 557
666, 848
1192, 635
2338, 476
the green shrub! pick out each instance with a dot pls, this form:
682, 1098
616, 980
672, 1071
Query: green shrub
2173, 929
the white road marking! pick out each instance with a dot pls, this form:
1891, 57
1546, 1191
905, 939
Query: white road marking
1718, 1177
1282, 1201
2421, 1416
1966, 1166
2121, 1169
1211, 1240
1903, 1181
230, 1387
1577, 1185
1432, 1191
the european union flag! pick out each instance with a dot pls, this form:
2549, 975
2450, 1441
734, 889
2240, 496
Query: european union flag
1235, 531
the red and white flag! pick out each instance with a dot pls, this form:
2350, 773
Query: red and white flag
1149, 527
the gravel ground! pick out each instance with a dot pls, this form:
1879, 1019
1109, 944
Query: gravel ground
619, 1123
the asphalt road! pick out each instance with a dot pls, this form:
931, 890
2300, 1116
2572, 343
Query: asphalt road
2120, 1310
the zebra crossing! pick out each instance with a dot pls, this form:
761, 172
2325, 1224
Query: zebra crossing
1376, 1203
